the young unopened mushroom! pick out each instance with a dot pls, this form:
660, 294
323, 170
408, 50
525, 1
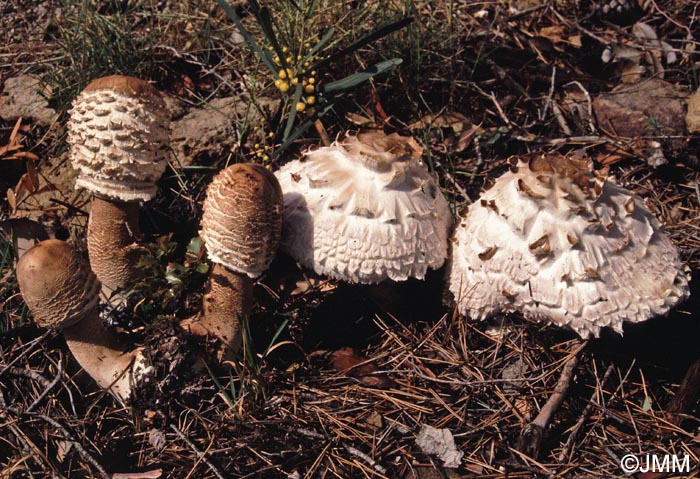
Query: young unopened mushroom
557, 243
118, 135
241, 228
364, 210
62, 293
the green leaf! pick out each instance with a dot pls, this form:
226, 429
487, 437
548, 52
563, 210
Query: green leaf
376, 35
265, 20
195, 245
355, 79
292, 111
327, 36
301, 129
260, 52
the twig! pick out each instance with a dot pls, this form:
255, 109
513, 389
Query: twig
560, 119
454, 182
356, 452
688, 393
29, 346
543, 115
322, 132
531, 436
589, 103
47, 388
200, 455
584, 416
68, 437
350, 449
500, 110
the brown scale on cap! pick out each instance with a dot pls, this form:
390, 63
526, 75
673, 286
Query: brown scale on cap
241, 227
62, 292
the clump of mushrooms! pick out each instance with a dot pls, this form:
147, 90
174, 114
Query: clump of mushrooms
118, 134
555, 242
241, 227
364, 210
62, 293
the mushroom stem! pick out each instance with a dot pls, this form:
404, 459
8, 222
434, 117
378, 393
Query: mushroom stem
228, 299
100, 353
113, 231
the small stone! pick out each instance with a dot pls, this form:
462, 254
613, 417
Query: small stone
23, 96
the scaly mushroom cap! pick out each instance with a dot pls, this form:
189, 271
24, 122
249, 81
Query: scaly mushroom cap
118, 134
242, 218
556, 243
364, 210
57, 284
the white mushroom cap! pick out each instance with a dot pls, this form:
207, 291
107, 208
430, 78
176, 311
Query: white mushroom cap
242, 218
365, 210
118, 132
555, 243
57, 284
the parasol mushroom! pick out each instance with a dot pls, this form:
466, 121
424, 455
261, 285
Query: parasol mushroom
118, 135
557, 243
364, 210
241, 227
62, 293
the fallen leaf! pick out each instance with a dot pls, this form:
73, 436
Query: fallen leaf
348, 362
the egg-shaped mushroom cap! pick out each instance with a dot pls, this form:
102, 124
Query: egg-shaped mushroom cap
364, 210
557, 243
57, 284
242, 218
118, 134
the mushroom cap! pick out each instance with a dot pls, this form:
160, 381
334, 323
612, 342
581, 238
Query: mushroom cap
57, 284
364, 210
242, 218
556, 243
118, 134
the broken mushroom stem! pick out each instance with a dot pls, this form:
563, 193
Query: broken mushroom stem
241, 228
62, 293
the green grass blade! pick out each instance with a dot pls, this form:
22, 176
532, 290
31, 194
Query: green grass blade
355, 79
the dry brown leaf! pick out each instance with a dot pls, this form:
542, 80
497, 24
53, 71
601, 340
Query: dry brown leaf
354, 365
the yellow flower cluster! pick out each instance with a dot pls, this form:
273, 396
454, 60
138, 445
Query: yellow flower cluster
262, 150
289, 78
